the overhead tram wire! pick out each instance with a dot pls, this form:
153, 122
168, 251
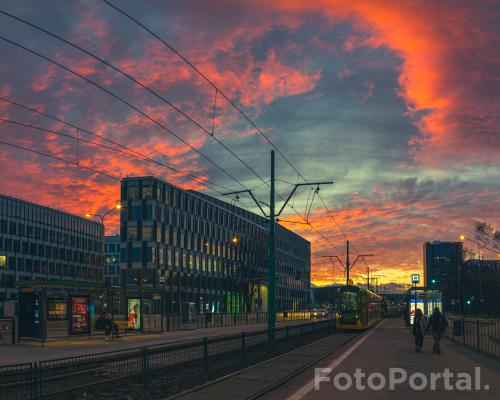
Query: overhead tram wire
129, 105
199, 180
138, 83
211, 83
227, 98
60, 159
153, 92
157, 123
124, 102
147, 88
133, 153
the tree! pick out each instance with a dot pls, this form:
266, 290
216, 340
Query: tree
487, 235
468, 254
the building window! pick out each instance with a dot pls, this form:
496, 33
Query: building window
147, 233
136, 254
147, 192
132, 193
132, 233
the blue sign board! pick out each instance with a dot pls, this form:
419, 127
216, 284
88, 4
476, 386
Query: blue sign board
415, 278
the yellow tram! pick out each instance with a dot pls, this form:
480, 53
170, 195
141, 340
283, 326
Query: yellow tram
358, 308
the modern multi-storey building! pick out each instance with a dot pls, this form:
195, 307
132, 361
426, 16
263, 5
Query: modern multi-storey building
442, 261
112, 260
41, 246
184, 246
442, 266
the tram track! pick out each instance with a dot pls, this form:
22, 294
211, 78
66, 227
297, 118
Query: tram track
304, 357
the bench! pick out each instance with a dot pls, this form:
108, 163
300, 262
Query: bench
122, 328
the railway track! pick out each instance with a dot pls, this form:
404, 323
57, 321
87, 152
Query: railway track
265, 377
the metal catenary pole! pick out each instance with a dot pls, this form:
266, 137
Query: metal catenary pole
273, 215
347, 265
271, 293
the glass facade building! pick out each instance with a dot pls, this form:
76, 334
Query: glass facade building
194, 248
442, 265
442, 261
112, 260
40, 243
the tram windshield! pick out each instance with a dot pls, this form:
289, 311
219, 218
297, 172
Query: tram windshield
348, 301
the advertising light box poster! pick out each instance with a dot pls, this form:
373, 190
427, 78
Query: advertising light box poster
134, 313
57, 310
79, 315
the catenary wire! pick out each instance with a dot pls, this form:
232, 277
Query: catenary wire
159, 124
144, 114
226, 97
133, 153
142, 85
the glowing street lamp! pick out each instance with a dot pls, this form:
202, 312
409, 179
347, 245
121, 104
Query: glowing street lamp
117, 206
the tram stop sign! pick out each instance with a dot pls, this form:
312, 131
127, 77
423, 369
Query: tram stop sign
415, 278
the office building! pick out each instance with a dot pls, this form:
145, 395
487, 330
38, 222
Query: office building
442, 261
112, 260
42, 246
184, 246
442, 264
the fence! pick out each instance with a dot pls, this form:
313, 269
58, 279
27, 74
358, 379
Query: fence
154, 323
481, 334
174, 322
59, 377
7, 331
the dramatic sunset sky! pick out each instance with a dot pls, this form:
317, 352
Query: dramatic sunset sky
397, 101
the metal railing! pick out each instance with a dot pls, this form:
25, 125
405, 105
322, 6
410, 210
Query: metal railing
174, 322
176, 361
481, 334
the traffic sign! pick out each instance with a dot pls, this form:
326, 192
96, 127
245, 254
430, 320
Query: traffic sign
415, 278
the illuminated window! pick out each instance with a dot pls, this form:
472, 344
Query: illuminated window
3, 262
132, 233
147, 192
147, 233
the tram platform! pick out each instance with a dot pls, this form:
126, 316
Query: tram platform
390, 345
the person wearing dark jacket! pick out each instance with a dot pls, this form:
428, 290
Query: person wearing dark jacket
111, 327
418, 329
437, 325
102, 323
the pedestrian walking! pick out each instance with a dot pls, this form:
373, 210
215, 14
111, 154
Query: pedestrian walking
419, 329
438, 326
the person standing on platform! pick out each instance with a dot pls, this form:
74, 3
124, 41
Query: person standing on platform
418, 329
437, 325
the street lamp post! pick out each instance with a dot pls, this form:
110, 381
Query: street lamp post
118, 206
102, 216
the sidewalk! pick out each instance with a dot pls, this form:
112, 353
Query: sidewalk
391, 346
30, 351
